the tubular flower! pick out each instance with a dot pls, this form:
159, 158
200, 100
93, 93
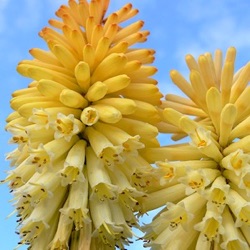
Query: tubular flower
213, 169
80, 126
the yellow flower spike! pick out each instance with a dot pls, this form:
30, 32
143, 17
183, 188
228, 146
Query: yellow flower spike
89, 77
72, 99
240, 83
232, 238
213, 99
227, 119
96, 92
73, 165
82, 74
117, 83
107, 113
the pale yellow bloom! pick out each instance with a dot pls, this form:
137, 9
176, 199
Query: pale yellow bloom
214, 114
79, 175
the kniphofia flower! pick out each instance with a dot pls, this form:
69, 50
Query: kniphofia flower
79, 127
205, 181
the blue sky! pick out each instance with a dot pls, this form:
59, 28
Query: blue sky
177, 28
